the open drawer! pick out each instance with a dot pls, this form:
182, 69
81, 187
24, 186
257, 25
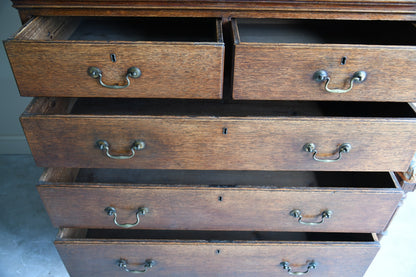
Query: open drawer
322, 60
118, 57
210, 135
220, 200
190, 253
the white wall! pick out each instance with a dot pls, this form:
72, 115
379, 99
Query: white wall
12, 140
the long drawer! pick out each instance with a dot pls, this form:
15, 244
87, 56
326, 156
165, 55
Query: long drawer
200, 135
118, 57
324, 60
189, 253
220, 200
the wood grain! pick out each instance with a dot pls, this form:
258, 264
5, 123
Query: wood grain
59, 175
98, 257
267, 71
207, 207
48, 28
336, 9
199, 142
60, 138
169, 69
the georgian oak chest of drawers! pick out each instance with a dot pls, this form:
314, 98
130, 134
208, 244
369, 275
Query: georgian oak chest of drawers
219, 138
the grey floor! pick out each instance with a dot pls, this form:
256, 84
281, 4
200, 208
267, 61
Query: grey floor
26, 244
26, 235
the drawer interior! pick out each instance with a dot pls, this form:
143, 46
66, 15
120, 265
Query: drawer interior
211, 236
324, 31
174, 107
222, 179
122, 29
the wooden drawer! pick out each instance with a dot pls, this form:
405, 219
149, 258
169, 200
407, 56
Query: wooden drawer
51, 56
277, 60
201, 135
190, 253
220, 200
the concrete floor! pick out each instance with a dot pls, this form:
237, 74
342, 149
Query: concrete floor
26, 245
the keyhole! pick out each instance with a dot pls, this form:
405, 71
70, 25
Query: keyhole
343, 60
224, 131
220, 198
113, 58
218, 251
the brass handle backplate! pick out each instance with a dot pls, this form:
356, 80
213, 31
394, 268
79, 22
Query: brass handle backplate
298, 214
105, 146
122, 263
286, 266
96, 73
111, 211
322, 76
311, 148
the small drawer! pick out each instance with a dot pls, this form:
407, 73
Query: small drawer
92, 252
136, 57
322, 60
210, 135
220, 200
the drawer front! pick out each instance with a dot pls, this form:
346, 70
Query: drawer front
286, 71
179, 258
205, 208
168, 69
182, 142
273, 72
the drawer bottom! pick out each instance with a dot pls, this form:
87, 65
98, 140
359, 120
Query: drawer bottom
100, 252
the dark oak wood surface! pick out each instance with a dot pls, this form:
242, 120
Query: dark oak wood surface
335, 9
194, 141
46, 61
276, 60
359, 202
61, 134
197, 257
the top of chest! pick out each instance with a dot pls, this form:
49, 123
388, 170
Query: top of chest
307, 9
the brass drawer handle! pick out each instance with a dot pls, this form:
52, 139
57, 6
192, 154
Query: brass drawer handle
343, 148
95, 72
286, 266
111, 211
137, 145
122, 263
322, 75
298, 214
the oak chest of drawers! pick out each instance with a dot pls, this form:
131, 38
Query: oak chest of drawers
219, 138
